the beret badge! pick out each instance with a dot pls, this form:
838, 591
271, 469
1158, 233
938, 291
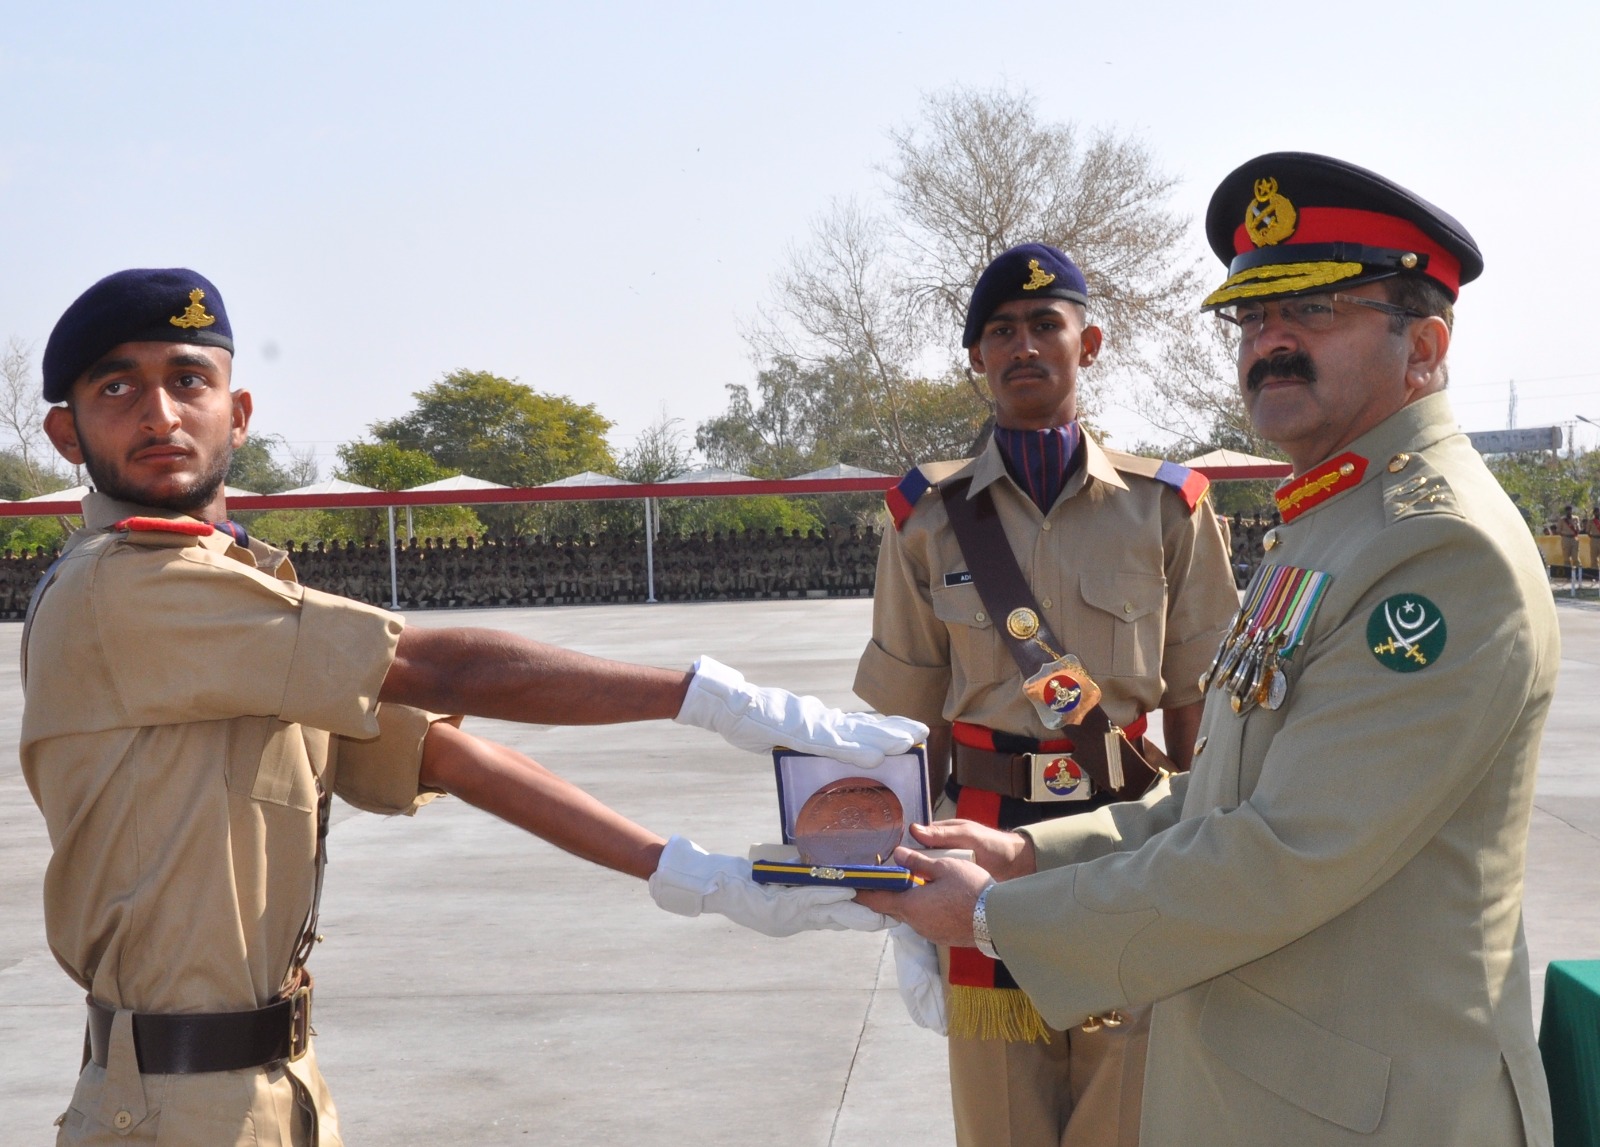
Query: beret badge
1039, 277
194, 315
1269, 218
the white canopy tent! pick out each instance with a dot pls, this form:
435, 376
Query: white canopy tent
586, 478
842, 470
1219, 458
459, 482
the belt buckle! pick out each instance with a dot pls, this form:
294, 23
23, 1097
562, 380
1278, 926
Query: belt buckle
1057, 777
299, 1022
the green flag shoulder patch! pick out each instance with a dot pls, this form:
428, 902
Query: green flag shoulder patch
1406, 633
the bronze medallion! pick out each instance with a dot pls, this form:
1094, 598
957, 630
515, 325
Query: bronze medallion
854, 820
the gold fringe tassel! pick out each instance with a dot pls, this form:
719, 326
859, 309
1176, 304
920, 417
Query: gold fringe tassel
995, 1013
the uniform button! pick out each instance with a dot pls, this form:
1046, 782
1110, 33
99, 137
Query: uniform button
978, 616
1045, 526
1399, 462
1269, 540
1045, 603
1127, 607
1199, 746
122, 1120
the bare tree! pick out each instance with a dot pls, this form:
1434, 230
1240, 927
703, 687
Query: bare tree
22, 419
838, 301
977, 173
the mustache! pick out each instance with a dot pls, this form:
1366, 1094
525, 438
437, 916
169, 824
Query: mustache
166, 440
1296, 364
1022, 368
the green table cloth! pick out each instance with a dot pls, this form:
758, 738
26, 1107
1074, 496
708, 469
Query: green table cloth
1569, 1042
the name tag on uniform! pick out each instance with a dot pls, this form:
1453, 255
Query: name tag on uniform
960, 577
1057, 777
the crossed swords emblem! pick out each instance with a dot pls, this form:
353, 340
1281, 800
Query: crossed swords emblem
1410, 644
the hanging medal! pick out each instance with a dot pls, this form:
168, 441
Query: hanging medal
1268, 629
1061, 691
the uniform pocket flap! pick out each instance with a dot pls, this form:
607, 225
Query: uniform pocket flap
1311, 1067
1129, 596
959, 605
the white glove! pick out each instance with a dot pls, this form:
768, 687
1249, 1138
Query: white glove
750, 717
689, 880
916, 967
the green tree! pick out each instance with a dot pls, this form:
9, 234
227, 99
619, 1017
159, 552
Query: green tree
385, 466
805, 416
256, 466
474, 422
1543, 484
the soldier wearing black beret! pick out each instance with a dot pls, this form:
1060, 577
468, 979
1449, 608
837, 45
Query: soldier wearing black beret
1127, 568
191, 709
1327, 910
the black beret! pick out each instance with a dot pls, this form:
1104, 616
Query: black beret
173, 305
1290, 222
1032, 270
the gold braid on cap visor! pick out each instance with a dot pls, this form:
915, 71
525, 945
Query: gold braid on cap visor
1280, 279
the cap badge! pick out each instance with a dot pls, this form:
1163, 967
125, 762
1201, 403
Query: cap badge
1039, 278
194, 315
1270, 217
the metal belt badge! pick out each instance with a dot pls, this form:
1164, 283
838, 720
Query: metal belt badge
1061, 691
1269, 627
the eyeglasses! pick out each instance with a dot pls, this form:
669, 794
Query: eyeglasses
1307, 312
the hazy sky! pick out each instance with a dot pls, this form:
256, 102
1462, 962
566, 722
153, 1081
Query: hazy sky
591, 198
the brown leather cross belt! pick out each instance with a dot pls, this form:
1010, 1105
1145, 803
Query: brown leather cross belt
183, 1044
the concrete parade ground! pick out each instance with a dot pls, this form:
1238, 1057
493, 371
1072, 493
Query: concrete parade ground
479, 986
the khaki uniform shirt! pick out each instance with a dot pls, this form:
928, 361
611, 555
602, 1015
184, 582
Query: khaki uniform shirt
1327, 911
182, 698
1130, 580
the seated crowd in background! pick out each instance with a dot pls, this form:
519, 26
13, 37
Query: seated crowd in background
433, 573
1246, 542
438, 573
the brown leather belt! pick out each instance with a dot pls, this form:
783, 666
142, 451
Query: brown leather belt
1012, 774
217, 1041
1009, 774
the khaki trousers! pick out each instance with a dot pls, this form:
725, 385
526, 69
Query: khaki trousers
1081, 1089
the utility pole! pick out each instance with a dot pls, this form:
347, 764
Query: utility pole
1511, 408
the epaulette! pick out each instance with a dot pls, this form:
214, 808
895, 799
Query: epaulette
917, 481
1191, 485
1411, 486
162, 531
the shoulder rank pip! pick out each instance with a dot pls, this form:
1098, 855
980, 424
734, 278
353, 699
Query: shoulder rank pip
1191, 485
902, 498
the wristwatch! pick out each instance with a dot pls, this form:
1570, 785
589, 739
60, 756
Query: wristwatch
980, 924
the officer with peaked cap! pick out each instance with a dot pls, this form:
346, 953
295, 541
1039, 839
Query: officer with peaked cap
1327, 911
190, 710
1129, 578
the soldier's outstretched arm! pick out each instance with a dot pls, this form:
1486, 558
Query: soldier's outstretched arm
683, 878
488, 673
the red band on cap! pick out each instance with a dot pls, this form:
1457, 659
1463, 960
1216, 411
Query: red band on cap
1369, 228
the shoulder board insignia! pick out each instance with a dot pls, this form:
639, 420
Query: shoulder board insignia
902, 498
1319, 484
1421, 493
164, 526
1191, 485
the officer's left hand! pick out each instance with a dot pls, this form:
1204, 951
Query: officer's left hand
939, 909
688, 880
751, 717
